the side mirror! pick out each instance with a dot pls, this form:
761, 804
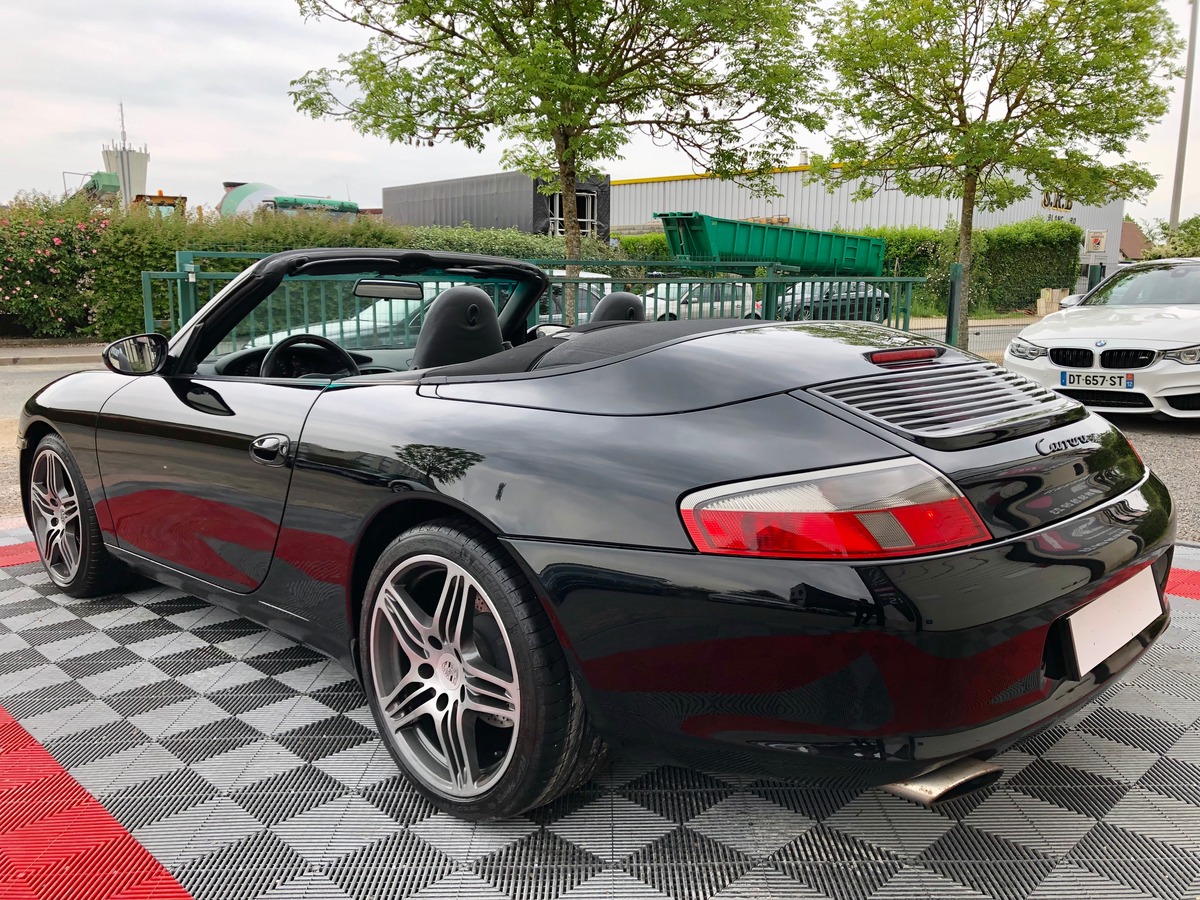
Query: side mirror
142, 354
1070, 300
547, 330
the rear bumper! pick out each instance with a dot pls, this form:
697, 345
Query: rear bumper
829, 669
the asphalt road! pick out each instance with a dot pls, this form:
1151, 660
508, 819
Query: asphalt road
1171, 448
16, 384
987, 340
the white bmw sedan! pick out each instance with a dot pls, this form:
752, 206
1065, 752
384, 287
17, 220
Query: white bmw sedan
1131, 346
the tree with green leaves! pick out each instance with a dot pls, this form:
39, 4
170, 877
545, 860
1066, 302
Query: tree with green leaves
990, 100
1183, 240
565, 83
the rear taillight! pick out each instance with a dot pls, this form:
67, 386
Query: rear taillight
870, 511
892, 357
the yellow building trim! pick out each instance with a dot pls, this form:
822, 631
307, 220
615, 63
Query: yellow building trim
661, 178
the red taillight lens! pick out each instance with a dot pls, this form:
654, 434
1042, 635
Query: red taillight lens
871, 511
891, 357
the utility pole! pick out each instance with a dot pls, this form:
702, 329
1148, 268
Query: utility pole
1177, 192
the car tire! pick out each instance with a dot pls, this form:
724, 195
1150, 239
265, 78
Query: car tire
65, 528
466, 679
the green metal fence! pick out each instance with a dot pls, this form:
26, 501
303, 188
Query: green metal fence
319, 304
884, 300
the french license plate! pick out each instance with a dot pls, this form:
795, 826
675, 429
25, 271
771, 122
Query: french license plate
1086, 379
1105, 625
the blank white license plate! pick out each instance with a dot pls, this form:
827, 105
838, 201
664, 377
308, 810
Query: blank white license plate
1105, 625
1088, 379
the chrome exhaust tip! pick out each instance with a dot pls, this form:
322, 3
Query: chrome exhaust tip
949, 782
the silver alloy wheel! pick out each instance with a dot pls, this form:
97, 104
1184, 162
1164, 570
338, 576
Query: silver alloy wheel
443, 673
57, 526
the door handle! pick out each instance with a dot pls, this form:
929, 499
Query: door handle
270, 449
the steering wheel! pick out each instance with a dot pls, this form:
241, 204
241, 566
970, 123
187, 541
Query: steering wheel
271, 360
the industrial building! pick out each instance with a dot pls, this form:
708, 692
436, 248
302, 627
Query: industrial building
500, 200
804, 205
627, 206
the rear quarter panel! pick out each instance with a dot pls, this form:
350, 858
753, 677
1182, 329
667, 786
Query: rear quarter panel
526, 473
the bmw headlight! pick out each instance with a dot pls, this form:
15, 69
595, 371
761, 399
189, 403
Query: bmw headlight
1022, 349
1189, 356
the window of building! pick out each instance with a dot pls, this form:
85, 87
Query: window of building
585, 205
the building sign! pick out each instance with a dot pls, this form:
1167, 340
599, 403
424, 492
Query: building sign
1096, 241
1055, 201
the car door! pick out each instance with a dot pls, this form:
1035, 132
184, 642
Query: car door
196, 470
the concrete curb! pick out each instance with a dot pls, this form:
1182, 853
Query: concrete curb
63, 359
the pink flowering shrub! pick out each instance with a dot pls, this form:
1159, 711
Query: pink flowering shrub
47, 253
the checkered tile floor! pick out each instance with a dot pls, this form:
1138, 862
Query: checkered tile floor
249, 767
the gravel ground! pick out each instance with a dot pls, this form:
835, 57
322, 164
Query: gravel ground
1172, 450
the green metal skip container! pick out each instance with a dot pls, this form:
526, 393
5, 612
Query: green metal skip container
696, 237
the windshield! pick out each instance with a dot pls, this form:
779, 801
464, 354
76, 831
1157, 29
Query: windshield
348, 309
1169, 285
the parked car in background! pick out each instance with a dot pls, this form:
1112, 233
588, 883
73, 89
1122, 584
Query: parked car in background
661, 298
1132, 345
700, 300
591, 289
817, 301
721, 300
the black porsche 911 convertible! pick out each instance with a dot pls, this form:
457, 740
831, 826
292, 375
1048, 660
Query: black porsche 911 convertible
811, 549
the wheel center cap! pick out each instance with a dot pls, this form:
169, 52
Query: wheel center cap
450, 670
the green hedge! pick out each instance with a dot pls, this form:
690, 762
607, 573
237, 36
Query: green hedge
911, 251
72, 269
1022, 258
645, 246
69, 268
1011, 263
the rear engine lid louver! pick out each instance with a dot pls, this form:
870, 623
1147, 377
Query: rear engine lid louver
953, 405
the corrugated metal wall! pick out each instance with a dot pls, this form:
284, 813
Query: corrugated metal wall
502, 200
813, 206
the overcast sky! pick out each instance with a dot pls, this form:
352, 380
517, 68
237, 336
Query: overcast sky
205, 87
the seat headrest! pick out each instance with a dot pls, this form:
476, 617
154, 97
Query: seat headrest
460, 326
619, 306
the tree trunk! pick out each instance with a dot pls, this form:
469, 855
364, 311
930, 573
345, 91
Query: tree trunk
570, 210
966, 227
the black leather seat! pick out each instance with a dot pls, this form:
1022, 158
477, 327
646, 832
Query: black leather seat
460, 326
619, 306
